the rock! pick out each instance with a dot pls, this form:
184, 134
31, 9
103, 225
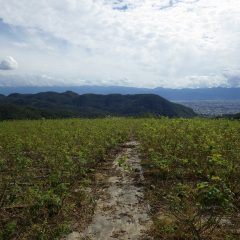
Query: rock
225, 222
74, 236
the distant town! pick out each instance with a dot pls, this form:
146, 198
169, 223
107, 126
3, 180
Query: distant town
214, 107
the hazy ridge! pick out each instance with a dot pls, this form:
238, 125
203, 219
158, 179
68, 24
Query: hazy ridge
185, 94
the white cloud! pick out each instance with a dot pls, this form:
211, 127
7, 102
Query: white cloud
148, 42
9, 63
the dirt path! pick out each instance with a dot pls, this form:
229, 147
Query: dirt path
120, 211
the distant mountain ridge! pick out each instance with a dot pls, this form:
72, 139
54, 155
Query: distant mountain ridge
170, 94
70, 104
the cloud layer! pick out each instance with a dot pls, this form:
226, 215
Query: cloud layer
170, 43
9, 63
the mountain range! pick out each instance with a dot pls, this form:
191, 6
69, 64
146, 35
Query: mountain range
186, 94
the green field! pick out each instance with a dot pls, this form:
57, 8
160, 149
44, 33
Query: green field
191, 168
193, 171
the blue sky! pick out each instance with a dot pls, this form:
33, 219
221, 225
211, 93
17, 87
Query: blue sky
141, 43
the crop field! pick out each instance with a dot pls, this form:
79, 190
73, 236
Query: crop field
191, 169
44, 172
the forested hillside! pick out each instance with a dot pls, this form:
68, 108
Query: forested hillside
70, 104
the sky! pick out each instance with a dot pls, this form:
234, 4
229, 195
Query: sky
140, 43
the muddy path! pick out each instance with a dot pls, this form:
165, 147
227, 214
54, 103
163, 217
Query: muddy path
121, 212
